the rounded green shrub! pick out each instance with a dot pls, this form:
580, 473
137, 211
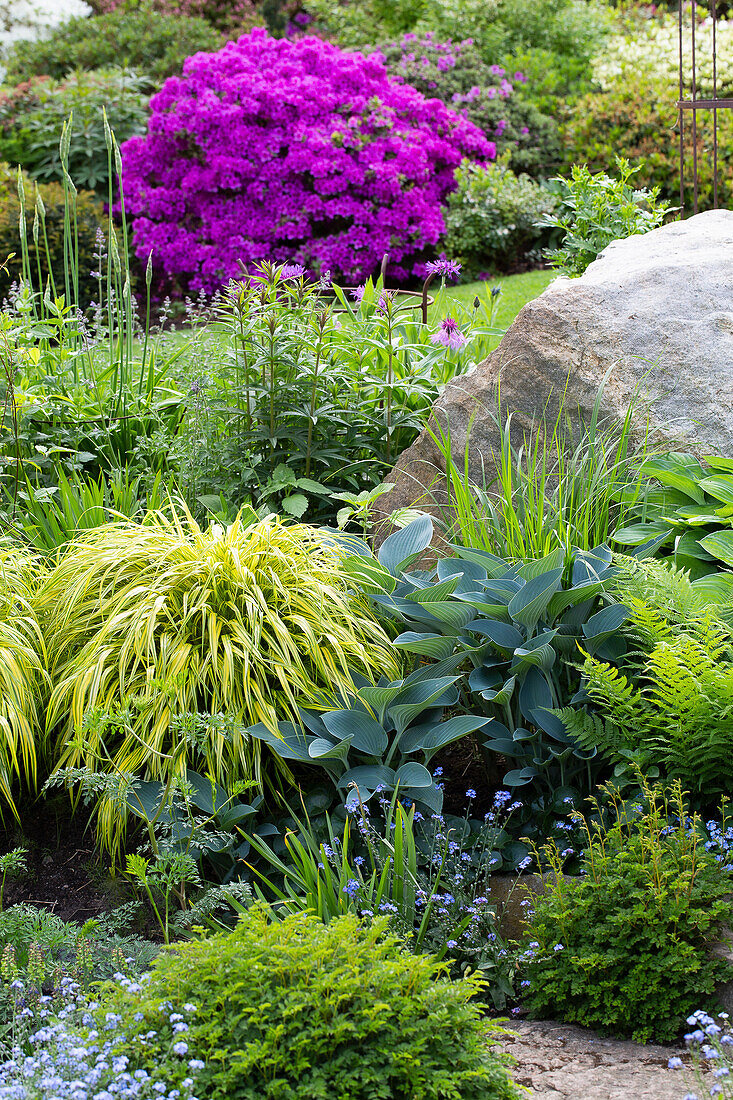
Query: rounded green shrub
636, 113
152, 42
47, 254
625, 947
299, 1010
32, 117
491, 218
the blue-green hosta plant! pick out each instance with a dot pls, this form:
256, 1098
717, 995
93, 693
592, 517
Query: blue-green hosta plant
382, 738
521, 627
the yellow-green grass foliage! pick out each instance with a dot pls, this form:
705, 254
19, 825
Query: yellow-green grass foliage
165, 618
23, 680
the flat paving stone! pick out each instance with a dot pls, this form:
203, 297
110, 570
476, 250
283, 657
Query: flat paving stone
562, 1062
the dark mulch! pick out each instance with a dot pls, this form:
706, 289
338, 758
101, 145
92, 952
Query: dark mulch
65, 874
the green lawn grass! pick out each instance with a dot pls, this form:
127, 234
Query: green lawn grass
516, 291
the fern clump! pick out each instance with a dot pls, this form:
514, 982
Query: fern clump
670, 704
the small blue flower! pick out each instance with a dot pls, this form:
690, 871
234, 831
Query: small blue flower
674, 1063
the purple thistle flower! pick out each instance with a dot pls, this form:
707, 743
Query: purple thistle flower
358, 293
448, 269
449, 335
292, 271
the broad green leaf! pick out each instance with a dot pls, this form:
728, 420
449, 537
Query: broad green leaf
534, 693
436, 646
719, 486
289, 743
368, 776
606, 621
321, 749
413, 774
503, 635
636, 533
679, 471
529, 604
720, 545
405, 544
366, 735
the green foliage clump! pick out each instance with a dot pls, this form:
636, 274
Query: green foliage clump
32, 117
624, 947
304, 1010
151, 42
596, 210
49, 242
668, 704
164, 618
491, 217
636, 112
689, 505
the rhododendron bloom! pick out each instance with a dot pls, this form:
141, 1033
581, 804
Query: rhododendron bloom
293, 150
449, 335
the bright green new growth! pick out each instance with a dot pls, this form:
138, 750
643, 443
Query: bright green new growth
554, 485
624, 947
22, 672
669, 704
596, 210
165, 618
303, 1010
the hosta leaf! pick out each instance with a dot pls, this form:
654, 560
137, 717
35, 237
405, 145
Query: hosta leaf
369, 777
720, 545
436, 646
405, 544
413, 774
365, 734
528, 605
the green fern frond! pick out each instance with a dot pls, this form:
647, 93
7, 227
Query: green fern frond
591, 731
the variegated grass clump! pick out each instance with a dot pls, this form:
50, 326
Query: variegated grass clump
23, 679
165, 618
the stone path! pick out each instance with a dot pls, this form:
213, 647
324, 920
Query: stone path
562, 1062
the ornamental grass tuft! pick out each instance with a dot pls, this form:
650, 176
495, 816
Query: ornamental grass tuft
22, 675
162, 618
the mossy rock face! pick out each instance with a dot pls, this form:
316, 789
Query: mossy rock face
90, 217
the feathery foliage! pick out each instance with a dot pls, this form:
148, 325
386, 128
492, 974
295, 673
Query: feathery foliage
165, 618
22, 675
672, 698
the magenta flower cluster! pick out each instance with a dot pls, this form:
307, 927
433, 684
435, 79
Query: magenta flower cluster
295, 151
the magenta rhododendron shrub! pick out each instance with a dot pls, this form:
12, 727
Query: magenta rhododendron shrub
291, 151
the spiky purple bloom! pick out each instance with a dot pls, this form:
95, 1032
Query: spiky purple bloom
449, 335
447, 269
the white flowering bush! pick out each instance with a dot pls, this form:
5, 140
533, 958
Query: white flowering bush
654, 49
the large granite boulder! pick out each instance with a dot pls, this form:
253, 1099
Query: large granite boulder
654, 311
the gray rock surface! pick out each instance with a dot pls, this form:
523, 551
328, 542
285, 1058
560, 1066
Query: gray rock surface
562, 1062
656, 310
